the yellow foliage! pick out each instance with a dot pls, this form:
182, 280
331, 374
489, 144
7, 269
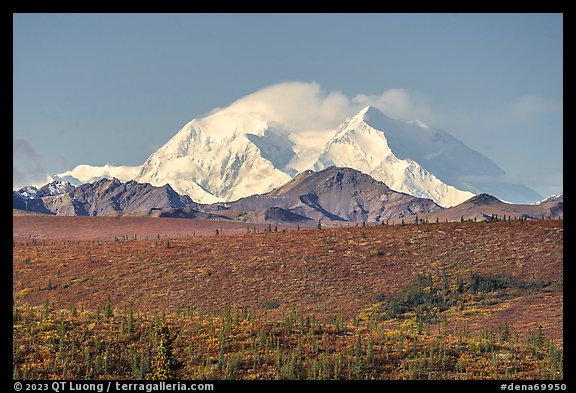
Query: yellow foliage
370, 311
476, 311
409, 325
212, 342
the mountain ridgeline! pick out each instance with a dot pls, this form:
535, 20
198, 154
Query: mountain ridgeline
334, 194
231, 154
102, 198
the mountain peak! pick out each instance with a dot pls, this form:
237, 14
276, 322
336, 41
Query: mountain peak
368, 112
484, 199
57, 187
338, 194
239, 151
365, 110
376, 119
551, 198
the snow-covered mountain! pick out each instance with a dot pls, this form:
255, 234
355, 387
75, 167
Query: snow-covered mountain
221, 157
231, 154
551, 198
90, 174
49, 190
361, 143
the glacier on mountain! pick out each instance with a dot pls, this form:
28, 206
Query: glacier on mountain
231, 154
360, 146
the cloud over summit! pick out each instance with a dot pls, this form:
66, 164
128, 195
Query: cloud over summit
307, 106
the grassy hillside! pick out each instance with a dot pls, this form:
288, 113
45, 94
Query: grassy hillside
426, 301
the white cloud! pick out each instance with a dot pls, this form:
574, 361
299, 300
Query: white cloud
303, 106
396, 103
306, 106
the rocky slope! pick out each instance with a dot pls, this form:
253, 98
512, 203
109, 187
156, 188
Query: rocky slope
337, 194
101, 198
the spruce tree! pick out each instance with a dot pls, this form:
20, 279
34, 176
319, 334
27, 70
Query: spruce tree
163, 366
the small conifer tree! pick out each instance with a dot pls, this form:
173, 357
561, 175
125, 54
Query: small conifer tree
164, 364
108, 310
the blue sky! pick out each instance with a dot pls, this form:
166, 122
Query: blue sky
112, 88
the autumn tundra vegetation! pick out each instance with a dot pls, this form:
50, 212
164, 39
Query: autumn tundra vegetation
461, 300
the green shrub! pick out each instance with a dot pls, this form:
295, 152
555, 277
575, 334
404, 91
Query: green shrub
269, 304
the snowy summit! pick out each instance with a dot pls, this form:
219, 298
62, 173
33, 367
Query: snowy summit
233, 153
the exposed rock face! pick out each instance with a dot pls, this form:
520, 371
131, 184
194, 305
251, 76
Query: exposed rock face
333, 194
20, 202
338, 194
104, 197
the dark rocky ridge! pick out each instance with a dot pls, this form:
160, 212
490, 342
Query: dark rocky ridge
335, 194
101, 198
